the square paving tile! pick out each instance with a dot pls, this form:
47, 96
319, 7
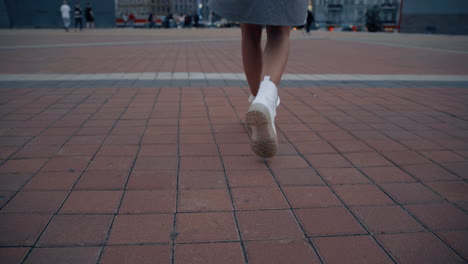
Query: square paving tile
137, 229
311, 196
92, 202
158, 150
277, 224
148, 180
14, 181
430, 172
362, 195
204, 200
367, 159
156, 163
315, 147
406, 158
202, 180
101, 180
22, 165
13, 255
76, 230
148, 201
70, 164
457, 240
243, 163
35, 202
258, 198
118, 150
440, 216
129, 139
410, 192
387, 219
250, 178
36, 152
52, 181
327, 161
288, 162
387, 174
77, 150
418, 248
237, 149
459, 168
281, 251
143, 254
5, 197
453, 191
208, 253
111, 163
342, 176
345, 146
350, 249
328, 221
443, 156
206, 149
293, 177
72, 255
206, 227
21, 229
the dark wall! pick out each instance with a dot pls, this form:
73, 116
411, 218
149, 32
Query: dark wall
46, 13
4, 18
435, 16
453, 24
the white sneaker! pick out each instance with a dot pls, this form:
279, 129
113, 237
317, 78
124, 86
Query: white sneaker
261, 118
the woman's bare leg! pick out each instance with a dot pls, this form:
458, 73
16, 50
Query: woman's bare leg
252, 55
275, 56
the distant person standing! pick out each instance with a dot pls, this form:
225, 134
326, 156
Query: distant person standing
188, 21
150, 20
310, 19
89, 15
78, 17
196, 18
131, 18
125, 19
65, 10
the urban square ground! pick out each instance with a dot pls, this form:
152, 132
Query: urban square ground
129, 146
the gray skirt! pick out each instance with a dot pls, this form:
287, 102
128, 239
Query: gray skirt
262, 12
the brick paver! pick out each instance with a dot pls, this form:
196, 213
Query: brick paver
157, 166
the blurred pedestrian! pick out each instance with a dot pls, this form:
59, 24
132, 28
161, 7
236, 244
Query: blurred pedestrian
65, 10
125, 19
89, 15
263, 69
310, 19
150, 20
78, 17
188, 21
131, 18
196, 19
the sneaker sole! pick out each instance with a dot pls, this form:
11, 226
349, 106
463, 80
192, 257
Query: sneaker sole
264, 141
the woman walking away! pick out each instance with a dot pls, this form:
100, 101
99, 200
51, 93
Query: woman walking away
263, 69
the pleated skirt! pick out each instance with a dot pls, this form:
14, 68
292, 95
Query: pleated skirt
262, 12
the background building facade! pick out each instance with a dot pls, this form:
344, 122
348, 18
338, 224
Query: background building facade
162, 7
46, 13
353, 12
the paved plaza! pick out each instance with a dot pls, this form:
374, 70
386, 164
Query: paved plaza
129, 146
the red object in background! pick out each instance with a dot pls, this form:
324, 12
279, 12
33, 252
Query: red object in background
131, 16
331, 28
